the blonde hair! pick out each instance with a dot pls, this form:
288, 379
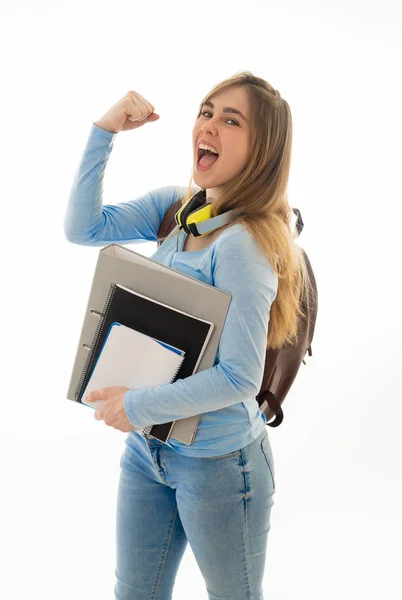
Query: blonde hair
259, 193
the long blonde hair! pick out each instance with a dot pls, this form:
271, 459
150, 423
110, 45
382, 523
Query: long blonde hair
259, 193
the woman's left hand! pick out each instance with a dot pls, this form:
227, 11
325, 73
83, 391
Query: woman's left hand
112, 411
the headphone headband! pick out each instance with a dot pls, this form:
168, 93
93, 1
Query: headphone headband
197, 216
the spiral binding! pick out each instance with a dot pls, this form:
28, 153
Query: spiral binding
96, 337
178, 369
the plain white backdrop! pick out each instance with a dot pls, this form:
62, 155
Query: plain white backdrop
337, 520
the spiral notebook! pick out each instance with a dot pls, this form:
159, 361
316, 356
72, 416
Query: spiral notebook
131, 359
164, 323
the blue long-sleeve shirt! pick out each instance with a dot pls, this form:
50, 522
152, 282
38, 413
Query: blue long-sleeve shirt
225, 394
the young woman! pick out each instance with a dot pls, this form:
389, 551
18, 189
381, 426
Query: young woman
217, 493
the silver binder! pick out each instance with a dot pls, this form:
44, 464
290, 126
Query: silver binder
122, 265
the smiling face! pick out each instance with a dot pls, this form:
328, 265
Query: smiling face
226, 131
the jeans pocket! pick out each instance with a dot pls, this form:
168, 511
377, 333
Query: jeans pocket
267, 450
223, 456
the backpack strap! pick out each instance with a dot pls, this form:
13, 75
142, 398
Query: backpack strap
168, 222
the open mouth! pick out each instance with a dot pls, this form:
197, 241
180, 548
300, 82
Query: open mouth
206, 157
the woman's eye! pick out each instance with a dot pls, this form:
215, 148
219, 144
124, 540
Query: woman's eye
207, 111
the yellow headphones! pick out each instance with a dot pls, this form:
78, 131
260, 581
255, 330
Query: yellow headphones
197, 216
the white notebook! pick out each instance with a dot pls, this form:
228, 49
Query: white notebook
134, 360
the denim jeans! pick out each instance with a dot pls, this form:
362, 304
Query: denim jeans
220, 505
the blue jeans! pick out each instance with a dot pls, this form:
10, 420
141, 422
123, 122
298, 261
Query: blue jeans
220, 505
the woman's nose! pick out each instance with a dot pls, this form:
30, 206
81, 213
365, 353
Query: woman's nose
208, 127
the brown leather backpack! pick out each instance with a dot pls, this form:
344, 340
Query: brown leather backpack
281, 364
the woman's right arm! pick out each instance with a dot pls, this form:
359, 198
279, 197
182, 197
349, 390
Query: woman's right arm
87, 222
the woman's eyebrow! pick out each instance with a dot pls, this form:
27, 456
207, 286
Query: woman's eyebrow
226, 109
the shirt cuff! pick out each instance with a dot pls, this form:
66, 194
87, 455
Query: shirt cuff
129, 407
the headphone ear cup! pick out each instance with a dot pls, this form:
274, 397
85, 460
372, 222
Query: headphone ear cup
193, 204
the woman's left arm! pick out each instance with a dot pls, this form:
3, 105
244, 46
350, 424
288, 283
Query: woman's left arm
240, 269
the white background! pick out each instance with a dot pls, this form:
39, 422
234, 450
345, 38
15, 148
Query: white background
336, 521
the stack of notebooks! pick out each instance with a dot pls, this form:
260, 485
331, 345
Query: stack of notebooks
139, 343
146, 325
